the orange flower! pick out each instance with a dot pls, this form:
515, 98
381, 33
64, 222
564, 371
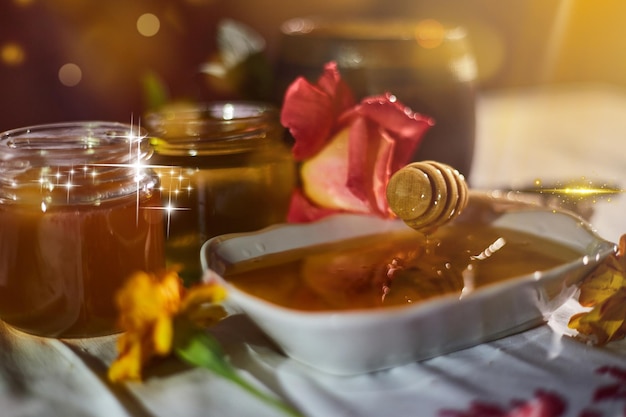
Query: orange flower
604, 290
148, 304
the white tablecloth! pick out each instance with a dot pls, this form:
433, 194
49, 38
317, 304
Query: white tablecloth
560, 133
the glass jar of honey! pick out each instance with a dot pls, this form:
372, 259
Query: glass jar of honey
224, 167
78, 215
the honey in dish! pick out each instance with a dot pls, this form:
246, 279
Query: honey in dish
61, 269
398, 268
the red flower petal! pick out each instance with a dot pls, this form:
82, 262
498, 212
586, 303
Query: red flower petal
405, 126
311, 111
308, 116
336, 88
302, 210
362, 143
383, 137
382, 171
369, 154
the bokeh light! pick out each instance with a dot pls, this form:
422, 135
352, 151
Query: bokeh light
12, 54
70, 75
148, 24
430, 33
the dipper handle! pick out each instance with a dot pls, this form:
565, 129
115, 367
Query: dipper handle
427, 194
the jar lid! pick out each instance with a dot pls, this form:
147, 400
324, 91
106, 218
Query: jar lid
73, 163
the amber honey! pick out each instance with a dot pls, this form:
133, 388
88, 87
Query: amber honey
78, 215
61, 269
223, 168
397, 269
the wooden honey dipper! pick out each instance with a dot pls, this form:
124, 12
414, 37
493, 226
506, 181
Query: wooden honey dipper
427, 194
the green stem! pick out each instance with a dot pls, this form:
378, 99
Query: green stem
198, 348
273, 401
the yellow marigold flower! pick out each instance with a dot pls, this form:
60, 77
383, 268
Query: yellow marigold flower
604, 290
605, 322
148, 304
200, 304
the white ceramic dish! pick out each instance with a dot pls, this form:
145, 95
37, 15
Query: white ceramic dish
364, 341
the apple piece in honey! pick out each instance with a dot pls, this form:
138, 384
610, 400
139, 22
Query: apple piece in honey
397, 268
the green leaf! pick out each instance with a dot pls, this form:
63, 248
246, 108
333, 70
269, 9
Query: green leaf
199, 348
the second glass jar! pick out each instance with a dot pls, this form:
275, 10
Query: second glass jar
224, 168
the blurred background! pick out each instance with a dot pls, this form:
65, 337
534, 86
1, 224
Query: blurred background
79, 59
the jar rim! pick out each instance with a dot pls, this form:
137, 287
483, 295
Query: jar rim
212, 113
75, 142
368, 29
78, 162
